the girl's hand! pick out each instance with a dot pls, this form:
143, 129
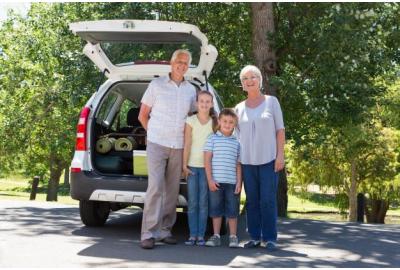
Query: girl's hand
187, 172
238, 188
213, 186
279, 163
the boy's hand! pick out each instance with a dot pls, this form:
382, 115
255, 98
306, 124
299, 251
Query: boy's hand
238, 188
213, 186
187, 172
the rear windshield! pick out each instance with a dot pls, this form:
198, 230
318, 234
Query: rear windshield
123, 53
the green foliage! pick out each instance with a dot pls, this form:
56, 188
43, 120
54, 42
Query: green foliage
329, 56
228, 28
45, 81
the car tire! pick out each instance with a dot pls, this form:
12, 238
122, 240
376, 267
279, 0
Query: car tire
94, 213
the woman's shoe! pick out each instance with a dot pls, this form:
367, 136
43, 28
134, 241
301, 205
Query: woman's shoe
252, 244
271, 246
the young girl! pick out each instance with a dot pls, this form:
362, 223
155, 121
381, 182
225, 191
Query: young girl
197, 128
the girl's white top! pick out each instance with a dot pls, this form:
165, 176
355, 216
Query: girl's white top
199, 136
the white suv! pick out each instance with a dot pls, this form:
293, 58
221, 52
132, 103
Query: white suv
105, 175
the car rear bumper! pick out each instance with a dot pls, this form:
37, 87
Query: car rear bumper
86, 185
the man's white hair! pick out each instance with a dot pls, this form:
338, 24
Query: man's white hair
181, 51
252, 69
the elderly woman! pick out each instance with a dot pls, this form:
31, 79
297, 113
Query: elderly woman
262, 137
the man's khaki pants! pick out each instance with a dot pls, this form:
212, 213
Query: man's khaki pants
165, 168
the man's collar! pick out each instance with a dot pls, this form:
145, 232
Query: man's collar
170, 79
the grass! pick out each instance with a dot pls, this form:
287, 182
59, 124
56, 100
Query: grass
300, 205
18, 188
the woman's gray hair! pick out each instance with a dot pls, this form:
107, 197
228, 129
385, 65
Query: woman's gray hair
181, 51
252, 69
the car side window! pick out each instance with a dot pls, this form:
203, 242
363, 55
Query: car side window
122, 116
105, 107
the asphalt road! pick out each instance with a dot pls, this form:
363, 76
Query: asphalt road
37, 234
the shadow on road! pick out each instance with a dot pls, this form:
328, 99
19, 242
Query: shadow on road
302, 243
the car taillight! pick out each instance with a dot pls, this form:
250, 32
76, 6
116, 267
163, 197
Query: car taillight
81, 130
76, 170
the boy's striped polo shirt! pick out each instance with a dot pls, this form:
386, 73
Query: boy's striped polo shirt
225, 156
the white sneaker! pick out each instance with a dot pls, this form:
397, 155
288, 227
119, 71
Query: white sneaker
213, 241
233, 241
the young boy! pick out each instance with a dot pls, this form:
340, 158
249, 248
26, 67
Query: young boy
223, 171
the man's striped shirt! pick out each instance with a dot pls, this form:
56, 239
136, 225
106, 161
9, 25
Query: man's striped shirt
225, 156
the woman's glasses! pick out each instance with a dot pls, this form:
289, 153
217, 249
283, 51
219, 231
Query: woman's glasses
249, 78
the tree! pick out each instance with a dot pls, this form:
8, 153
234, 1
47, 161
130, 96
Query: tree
263, 26
329, 57
45, 82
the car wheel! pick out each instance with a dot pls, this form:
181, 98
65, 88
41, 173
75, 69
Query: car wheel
94, 213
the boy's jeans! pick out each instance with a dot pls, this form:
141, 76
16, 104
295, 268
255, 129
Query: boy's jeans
224, 202
198, 202
260, 184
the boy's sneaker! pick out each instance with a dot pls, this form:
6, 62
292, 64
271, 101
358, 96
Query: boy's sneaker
213, 241
233, 241
252, 244
271, 246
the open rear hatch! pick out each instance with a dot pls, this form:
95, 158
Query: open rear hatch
141, 49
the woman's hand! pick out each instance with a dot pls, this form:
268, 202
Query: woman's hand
279, 163
213, 186
187, 172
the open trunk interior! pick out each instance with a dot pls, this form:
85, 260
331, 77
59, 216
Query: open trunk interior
116, 131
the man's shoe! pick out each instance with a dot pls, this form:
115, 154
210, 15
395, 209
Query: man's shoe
147, 243
169, 240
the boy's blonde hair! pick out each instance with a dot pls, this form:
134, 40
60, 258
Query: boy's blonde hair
228, 112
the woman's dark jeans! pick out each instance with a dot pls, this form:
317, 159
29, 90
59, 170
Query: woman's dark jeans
260, 184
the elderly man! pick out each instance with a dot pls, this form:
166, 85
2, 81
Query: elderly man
165, 105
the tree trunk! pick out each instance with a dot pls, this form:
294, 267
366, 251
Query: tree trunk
353, 192
264, 55
265, 60
66, 176
281, 195
56, 169
375, 210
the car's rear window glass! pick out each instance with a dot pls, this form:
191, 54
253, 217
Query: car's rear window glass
106, 107
123, 53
